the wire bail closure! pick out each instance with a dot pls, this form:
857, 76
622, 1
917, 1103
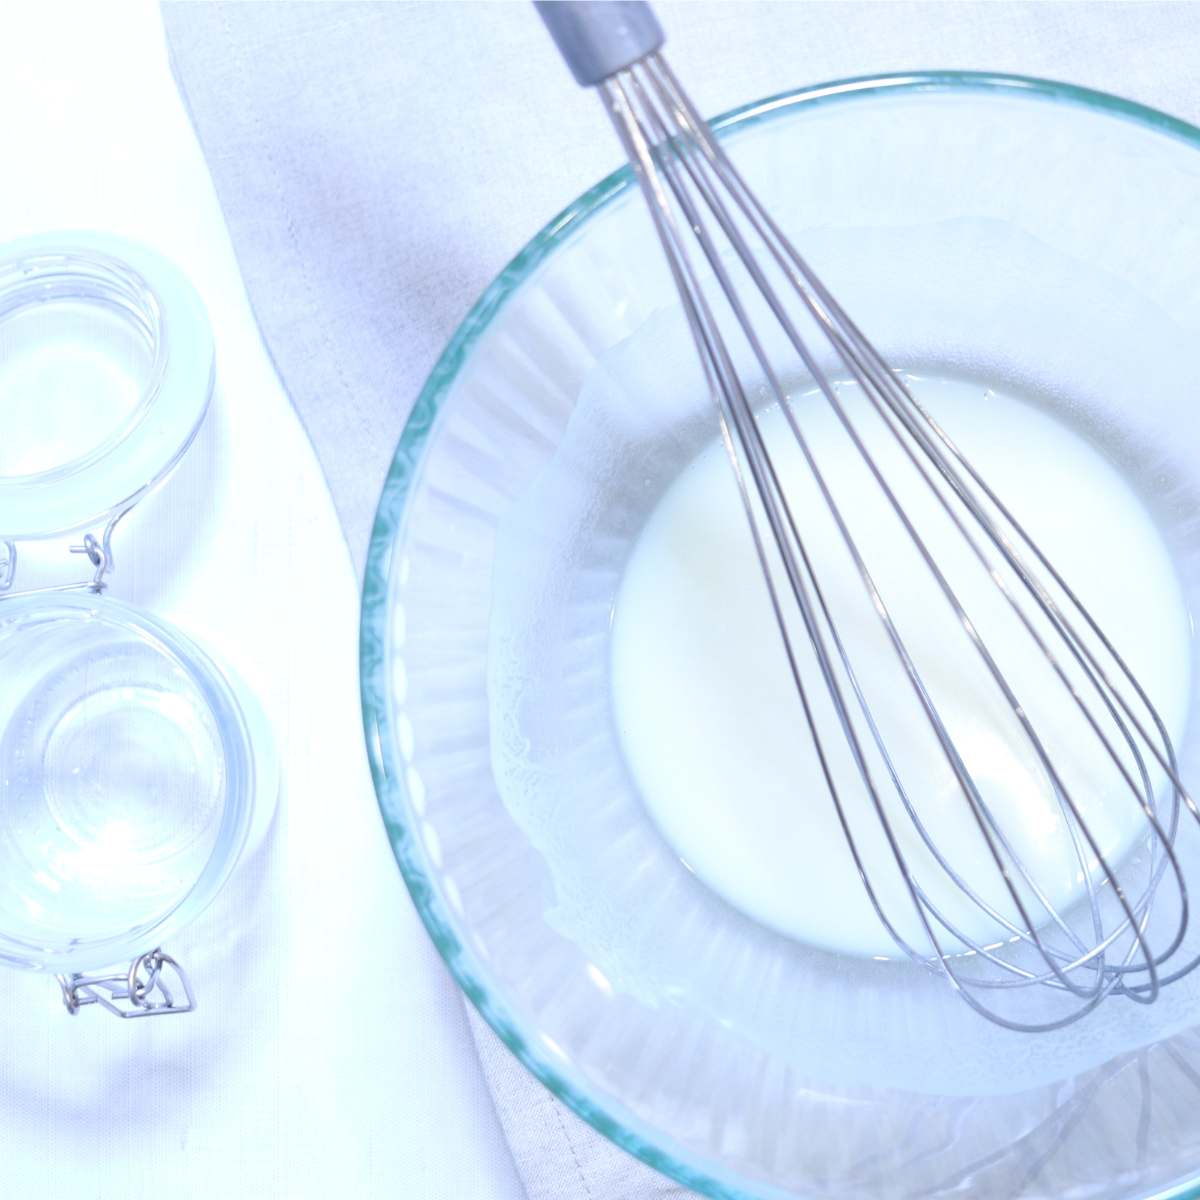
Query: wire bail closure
98, 551
145, 990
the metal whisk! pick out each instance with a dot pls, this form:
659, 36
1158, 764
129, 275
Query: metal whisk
759, 316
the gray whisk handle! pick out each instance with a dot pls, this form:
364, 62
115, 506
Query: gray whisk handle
598, 38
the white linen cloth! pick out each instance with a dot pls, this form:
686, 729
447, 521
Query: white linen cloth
379, 163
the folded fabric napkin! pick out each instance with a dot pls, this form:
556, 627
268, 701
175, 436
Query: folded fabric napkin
379, 163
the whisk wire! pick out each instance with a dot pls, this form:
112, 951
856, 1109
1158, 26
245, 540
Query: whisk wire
698, 199
703, 187
706, 243
685, 172
727, 391
731, 295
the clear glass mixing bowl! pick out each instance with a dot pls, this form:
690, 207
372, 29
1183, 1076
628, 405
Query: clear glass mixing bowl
1022, 233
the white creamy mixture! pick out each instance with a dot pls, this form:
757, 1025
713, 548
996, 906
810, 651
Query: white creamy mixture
713, 730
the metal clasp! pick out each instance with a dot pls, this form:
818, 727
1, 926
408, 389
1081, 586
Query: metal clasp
147, 989
97, 549
99, 554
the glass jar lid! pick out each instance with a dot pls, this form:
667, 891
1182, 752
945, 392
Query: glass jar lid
106, 372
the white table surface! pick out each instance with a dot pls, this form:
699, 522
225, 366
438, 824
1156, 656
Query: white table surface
330, 1054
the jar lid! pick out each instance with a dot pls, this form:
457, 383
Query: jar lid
106, 372
127, 781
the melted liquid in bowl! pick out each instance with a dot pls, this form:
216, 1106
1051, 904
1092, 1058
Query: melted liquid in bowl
715, 736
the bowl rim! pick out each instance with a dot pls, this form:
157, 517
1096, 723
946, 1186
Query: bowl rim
605, 1114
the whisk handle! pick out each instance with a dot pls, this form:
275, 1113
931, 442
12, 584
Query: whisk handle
598, 38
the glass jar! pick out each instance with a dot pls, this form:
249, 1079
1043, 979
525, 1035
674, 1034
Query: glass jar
133, 775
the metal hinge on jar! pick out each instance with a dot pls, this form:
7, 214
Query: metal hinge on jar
97, 549
155, 985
